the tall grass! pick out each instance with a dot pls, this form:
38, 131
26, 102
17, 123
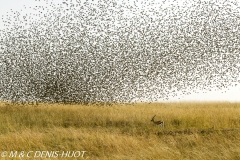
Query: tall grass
191, 131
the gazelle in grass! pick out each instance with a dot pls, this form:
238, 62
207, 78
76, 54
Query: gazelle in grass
159, 123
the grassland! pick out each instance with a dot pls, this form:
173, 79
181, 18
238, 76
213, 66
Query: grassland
124, 132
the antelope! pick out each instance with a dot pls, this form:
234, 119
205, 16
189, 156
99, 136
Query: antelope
160, 123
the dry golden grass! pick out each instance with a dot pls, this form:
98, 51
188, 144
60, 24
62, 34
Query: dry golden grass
192, 130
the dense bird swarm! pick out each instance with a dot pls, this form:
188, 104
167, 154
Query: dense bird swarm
119, 51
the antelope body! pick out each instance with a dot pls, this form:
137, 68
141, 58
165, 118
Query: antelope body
160, 123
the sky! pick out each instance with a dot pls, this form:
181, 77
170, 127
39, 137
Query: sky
228, 95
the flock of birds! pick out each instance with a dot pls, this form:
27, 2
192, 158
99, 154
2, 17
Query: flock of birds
118, 51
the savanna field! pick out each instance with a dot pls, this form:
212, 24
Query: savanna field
192, 131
